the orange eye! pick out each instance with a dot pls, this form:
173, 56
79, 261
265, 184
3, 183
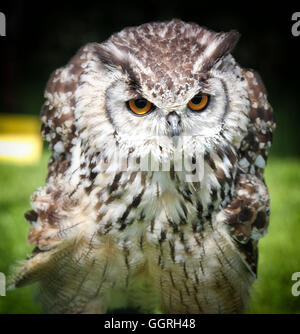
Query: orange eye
139, 106
198, 102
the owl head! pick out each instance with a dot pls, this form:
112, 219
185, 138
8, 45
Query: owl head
160, 85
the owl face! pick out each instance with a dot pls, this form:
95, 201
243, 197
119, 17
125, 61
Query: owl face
199, 112
160, 85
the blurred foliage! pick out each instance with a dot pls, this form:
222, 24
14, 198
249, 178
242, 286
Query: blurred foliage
279, 250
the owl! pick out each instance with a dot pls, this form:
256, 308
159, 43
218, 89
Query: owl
155, 197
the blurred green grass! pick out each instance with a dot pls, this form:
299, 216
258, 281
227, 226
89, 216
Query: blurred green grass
279, 255
279, 250
17, 183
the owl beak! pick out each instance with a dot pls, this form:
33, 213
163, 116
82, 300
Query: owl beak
174, 122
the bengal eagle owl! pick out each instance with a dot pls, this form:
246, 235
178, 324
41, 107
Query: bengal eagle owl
155, 191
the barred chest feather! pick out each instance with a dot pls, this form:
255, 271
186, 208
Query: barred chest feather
148, 223
162, 202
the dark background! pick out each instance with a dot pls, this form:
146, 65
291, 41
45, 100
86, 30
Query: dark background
42, 36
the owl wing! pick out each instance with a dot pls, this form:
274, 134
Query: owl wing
247, 215
63, 260
56, 217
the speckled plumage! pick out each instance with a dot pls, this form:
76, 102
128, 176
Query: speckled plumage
109, 233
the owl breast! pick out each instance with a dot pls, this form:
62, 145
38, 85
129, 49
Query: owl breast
153, 221
169, 199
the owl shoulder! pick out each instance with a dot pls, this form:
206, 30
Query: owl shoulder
255, 146
57, 115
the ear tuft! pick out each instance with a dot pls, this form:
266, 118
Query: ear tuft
221, 46
229, 42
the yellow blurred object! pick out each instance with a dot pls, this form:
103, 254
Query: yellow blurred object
20, 139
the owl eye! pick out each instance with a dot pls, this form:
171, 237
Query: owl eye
198, 102
140, 106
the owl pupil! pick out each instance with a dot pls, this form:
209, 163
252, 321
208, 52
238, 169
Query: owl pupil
140, 103
197, 99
